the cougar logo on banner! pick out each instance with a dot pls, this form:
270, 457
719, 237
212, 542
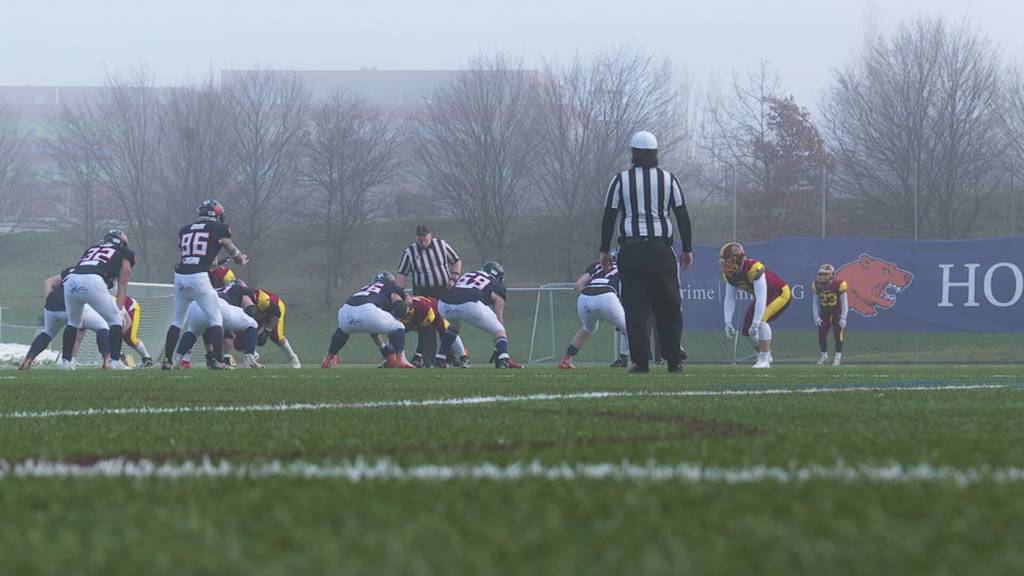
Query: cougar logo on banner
873, 283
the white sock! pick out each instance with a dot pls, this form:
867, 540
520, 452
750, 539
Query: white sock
141, 349
288, 348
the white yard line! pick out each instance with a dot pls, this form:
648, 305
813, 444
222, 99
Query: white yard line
361, 470
477, 400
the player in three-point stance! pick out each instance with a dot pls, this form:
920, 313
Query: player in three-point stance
237, 308
200, 243
771, 297
373, 309
55, 317
270, 312
132, 315
831, 306
598, 290
470, 299
100, 266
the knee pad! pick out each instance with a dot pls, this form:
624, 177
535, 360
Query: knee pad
764, 331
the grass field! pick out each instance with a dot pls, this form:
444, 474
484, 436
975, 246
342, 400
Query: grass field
858, 470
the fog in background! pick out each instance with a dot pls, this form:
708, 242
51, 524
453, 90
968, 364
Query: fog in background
71, 42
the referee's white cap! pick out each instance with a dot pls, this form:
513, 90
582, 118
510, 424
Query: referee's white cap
643, 141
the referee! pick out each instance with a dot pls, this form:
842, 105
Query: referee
434, 266
642, 198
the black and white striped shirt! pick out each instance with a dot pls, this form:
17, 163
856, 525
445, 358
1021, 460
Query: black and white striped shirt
429, 267
645, 199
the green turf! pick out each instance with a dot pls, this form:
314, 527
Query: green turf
610, 526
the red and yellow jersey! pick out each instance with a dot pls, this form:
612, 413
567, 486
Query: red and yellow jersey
130, 305
133, 317
749, 272
267, 303
423, 313
829, 293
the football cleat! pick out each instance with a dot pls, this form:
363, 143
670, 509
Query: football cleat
26, 363
250, 361
119, 365
566, 364
229, 360
639, 370
463, 362
166, 365
296, 364
147, 362
417, 360
823, 360
398, 361
621, 362
675, 368
440, 362
763, 361
185, 364
330, 361
838, 361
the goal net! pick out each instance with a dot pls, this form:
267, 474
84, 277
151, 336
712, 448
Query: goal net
157, 302
554, 321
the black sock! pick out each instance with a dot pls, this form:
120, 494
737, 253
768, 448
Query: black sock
172, 340
217, 335
397, 341
572, 350
41, 341
116, 339
249, 340
338, 341
188, 340
103, 342
68, 344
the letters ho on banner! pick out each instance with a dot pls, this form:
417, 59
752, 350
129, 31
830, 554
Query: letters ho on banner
894, 285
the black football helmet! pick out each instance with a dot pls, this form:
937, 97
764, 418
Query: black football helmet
115, 237
211, 210
494, 270
384, 277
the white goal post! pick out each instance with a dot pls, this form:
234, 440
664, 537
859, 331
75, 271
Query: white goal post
555, 322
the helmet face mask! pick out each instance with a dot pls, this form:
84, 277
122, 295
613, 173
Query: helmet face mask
211, 210
384, 277
494, 270
826, 273
116, 237
730, 257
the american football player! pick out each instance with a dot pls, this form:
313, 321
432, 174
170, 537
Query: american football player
831, 305
55, 317
237, 311
270, 313
471, 299
771, 297
373, 309
100, 266
200, 242
598, 289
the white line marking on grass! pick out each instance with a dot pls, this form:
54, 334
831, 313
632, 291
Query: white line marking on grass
474, 400
361, 470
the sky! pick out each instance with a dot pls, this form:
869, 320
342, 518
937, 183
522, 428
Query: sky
78, 42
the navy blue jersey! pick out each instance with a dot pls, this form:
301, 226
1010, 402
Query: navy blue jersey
104, 260
55, 300
200, 243
602, 280
474, 287
378, 294
234, 292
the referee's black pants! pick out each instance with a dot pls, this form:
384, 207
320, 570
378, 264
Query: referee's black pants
426, 339
650, 283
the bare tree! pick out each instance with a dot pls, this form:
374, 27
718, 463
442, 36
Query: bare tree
348, 155
195, 153
914, 125
588, 111
477, 147
267, 115
129, 151
15, 198
72, 143
769, 150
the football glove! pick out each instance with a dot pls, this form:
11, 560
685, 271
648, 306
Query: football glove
730, 331
842, 322
754, 325
262, 338
817, 320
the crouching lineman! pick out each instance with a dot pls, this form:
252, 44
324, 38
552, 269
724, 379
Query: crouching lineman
132, 321
470, 299
831, 305
598, 290
55, 317
771, 297
373, 309
200, 243
87, 284
270, 311
237, 310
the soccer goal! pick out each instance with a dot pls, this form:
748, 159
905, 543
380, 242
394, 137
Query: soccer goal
157, 302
